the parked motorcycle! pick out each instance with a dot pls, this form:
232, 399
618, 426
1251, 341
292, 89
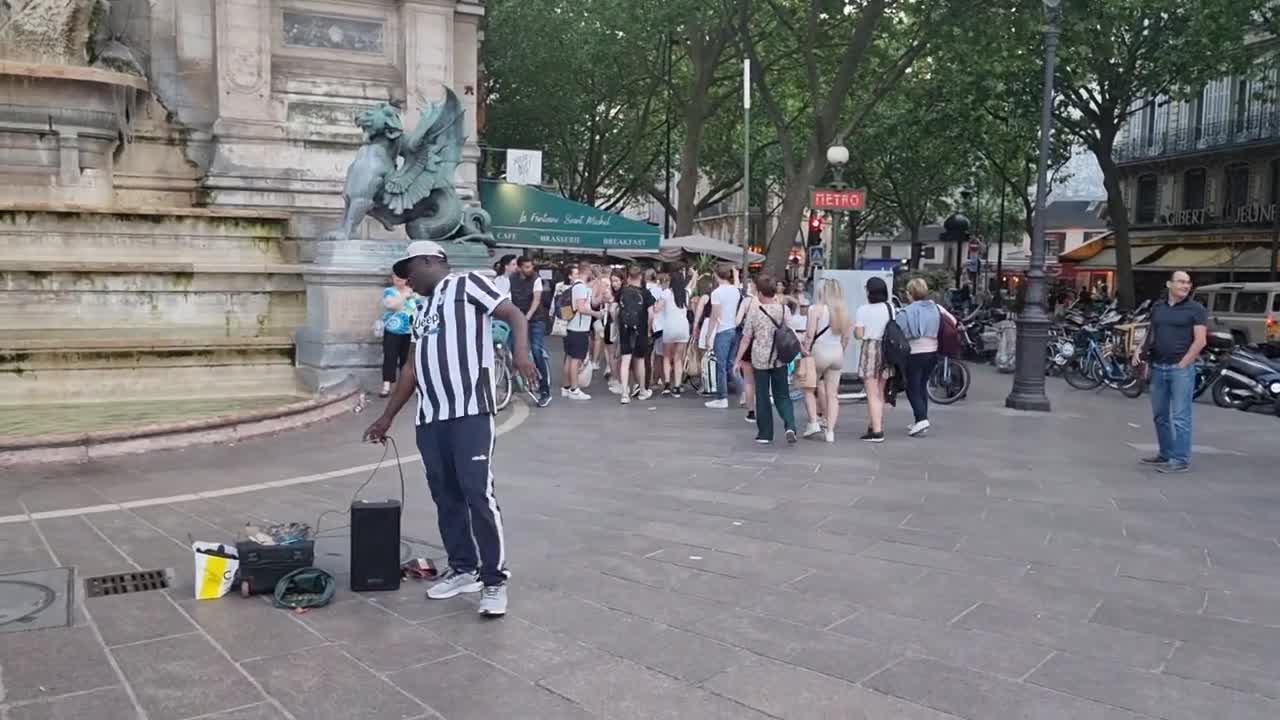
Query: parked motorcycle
1250, 375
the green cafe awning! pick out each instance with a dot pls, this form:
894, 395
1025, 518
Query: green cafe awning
524, 216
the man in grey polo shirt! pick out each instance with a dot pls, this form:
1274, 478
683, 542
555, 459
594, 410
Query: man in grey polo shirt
1178, 332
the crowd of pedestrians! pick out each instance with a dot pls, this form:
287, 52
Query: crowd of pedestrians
650, 332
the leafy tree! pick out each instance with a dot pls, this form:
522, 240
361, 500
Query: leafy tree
1119, 57
562, 77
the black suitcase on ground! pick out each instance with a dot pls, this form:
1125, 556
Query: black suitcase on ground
262, 566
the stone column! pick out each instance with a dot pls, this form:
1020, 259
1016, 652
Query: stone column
243, 52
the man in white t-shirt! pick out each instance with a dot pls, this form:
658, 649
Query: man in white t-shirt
724, 323
577, 340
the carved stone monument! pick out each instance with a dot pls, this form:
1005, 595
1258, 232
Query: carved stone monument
397, 178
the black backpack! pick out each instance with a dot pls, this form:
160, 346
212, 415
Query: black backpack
786, 346
631, 308
894, 347
564, 308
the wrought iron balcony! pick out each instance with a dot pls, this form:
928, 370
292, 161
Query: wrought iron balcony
1180, 139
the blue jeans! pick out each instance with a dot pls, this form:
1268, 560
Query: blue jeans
1172, 391
537, 338
725, 346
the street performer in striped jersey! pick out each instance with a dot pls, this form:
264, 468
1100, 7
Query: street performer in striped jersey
451, 366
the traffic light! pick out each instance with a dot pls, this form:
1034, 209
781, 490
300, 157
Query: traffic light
815, 229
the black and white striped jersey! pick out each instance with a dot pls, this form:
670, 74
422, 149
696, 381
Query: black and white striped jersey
453, 348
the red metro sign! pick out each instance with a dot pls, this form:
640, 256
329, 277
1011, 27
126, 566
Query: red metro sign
828, 199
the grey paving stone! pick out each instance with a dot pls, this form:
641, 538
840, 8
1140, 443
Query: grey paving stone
622, 690
1018, 594
1209, 631
54, 661
517, 645
1244, 605
835, 654
77, 545
136, 617
1238, 671
1178, 598
105, 704
978, 696
179, 677
260, 711
965, 648
1163, 696
794, 693
465, 687
946, 560
664, 606
326, 684
250, 628
21, 549
375, 637
411, 602
147, 547
1129, 648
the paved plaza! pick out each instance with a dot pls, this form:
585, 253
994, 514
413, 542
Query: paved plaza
1008, 566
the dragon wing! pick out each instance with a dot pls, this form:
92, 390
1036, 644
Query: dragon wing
431, 155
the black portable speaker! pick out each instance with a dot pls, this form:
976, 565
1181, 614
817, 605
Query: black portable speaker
375, 545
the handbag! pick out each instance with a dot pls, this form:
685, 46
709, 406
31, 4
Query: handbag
806, 375
948, 336
560, 328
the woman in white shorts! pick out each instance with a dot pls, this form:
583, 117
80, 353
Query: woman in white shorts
827, 337
673, 309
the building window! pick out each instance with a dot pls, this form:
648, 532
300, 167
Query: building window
928, 252
1198, 112
1236, 195
886, 252
1242, 104
1275, 181
1148, 199
1150, 122
1193, 189
1053, 243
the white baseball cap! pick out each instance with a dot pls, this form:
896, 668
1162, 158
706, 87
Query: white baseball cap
418, 248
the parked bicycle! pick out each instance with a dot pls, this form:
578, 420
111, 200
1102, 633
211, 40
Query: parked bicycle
950, 378
1100, 361
506, 380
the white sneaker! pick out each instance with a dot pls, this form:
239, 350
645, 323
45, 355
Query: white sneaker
564, 392
644, 395
493, 601
831, 435
454, 583
717, 404
919, 428
812, 429
577, 394
615, 388
625, 399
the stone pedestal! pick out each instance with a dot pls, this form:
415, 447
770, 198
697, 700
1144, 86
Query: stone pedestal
344, 286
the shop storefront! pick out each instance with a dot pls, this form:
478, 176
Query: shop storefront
526, 218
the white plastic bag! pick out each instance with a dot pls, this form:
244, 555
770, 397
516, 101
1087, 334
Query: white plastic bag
216, 568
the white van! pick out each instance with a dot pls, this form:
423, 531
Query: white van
1249, 311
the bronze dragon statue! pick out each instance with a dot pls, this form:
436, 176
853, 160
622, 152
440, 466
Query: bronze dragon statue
400, 178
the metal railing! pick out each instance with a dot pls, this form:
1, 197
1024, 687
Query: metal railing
1180, 139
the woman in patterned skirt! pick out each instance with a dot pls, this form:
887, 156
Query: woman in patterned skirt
869, 323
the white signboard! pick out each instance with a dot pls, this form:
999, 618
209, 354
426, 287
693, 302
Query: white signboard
524, 167
854, 285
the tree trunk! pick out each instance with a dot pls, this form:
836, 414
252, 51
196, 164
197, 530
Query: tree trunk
916, 250
791, 215
687, 186
1119, 221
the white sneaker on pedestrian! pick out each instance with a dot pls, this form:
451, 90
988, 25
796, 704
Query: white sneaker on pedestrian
644, 395
564, 392
454, 583
720, 404
812, 429
493, 601
625, 399
919, 428
831, 435
577, 394
615, 388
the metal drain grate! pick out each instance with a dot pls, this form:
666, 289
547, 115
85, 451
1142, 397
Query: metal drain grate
129, 582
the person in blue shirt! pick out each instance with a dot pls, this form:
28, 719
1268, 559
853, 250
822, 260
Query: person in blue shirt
398, 305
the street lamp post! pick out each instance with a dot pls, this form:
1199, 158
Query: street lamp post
837, 158
1033, 323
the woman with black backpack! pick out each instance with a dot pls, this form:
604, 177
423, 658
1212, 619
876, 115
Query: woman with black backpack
765, 335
